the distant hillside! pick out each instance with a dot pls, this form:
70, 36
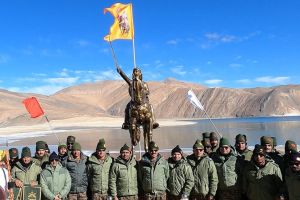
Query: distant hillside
109, 98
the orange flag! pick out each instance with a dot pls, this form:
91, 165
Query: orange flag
123, 24
33, 107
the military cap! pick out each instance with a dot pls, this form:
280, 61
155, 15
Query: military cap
290, 146
53, 156
125, 147
13, 153
259, 149
101, 145
240, 138
153, 146
62, 145
224, 142
41, 145
266, 140
295, 157
26, 152
213, 136
76, 146
177, 149
198, 145
205, 135
71, 139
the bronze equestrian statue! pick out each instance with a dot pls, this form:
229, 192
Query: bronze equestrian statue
138, 112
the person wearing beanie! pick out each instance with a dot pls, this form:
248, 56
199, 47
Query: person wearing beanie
123, 182
262, 179
62, 152
181, 180
26, 170
242, 148
76, 165
205, 173
41, 157
55, 179
99, 165
214, 141
13, 156
228, 166
207, 146
292, 177
268, 144
290, 147
205, 135
153, 174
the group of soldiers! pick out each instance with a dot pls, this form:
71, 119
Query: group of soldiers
215, 170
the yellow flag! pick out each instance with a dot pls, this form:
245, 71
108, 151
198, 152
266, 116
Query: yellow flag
123, 24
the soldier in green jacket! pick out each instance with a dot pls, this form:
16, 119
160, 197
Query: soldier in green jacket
153, 174
55, 180
41, 157
228, 167
292, 177
214, 141
99, 165
242, 148
26, 170
76, 165
181, 180
205, 174
123, 182
262, 179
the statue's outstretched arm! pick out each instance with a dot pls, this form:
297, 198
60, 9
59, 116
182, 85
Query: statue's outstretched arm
123, 75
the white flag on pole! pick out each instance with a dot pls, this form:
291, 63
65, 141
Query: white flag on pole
194, 100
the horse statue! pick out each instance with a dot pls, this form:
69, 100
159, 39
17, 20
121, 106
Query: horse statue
138, 112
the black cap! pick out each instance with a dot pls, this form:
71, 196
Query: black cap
177, 150
53, 156
259, 149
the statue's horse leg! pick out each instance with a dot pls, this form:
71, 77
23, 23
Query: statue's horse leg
134, 131
147, 126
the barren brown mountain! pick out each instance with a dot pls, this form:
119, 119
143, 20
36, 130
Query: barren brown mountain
109, 98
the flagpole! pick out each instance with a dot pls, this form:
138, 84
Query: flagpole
133, 44
113, 54
212, 124
51, 128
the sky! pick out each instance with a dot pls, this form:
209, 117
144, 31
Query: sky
49, 45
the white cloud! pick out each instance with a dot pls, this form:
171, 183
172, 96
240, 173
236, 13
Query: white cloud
172, 42
63, 81
244, 81
273, 80
82, 43
179, 70
213, 81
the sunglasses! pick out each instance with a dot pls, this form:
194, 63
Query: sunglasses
199, 149
295, 163
153, 150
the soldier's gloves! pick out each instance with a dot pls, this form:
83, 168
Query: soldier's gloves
184, 197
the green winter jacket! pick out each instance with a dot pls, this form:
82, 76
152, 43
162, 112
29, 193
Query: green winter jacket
228, 169
123, 179
41, 161
181, 180
55, 181
292, 184
205, 174
78, 173
262, 183
153, 176
32, 173
245, 155
98, 173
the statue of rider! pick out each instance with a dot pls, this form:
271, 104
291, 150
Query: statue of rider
139, 93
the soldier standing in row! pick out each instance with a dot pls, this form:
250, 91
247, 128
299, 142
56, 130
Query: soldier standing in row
205, 174
55, 180
26, 170
262, 178
228, 167
181, 180
123, 182
292, 177
242, 148
99, 165
41, 157
13, 157
76, 165
62, 152
214, 141
153, 174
